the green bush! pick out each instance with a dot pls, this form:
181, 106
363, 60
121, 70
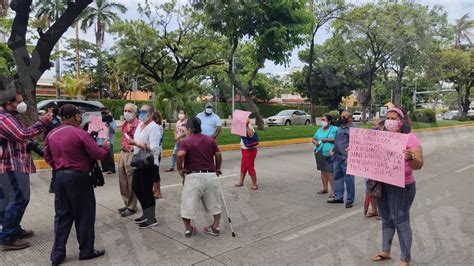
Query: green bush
463, 118
423, 116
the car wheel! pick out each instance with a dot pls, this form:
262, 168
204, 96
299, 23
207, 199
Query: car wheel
288, 123
307, 122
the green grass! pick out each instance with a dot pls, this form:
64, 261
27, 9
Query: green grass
271, 133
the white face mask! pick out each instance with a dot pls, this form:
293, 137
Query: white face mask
21, 107
324, 123
181, 116
129, 116
208, 111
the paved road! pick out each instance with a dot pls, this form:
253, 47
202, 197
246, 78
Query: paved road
285, 222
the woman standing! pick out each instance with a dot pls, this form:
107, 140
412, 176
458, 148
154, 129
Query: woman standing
249, 153
395, 202
147, 136
179, 133
323, 141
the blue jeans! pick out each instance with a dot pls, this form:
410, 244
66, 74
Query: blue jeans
394, 209
340, 177
175, 152
14, 198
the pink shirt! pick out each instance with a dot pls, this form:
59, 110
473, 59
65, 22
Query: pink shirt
128, 129
412, 143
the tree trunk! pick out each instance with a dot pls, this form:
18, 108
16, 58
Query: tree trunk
467, 102
397, 93
309, 81
366, 98
58, 72
98, 35
459, 90
78, 59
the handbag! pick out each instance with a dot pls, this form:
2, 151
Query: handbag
143, 159
374, 188
250, 142
96, 176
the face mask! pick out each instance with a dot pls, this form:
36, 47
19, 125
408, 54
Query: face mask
343, 120
324, 123
142, 116
21, 107
392, 125
79, 122
181, 116
208, 111
128, 116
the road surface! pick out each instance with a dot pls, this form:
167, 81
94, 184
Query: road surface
285, 222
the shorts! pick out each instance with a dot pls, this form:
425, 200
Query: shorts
324, 164
197, 187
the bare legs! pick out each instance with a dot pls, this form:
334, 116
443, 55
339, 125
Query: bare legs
327, 178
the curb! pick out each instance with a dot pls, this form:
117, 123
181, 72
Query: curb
42, 165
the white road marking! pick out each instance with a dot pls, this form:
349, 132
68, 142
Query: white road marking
179, 184
322, 225
465, 168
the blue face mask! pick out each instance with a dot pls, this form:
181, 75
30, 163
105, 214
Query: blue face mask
142, 116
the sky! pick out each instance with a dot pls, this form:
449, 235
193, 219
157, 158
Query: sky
454, 8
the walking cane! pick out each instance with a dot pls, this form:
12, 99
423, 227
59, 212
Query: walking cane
226, 209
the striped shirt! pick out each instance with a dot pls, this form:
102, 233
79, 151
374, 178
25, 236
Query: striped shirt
13, 154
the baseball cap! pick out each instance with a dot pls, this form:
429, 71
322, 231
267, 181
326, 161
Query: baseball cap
208, 105
8, 94
69, 110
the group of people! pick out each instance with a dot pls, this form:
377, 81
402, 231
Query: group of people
391, 203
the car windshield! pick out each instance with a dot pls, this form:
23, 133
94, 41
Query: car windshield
285, 113
356, 113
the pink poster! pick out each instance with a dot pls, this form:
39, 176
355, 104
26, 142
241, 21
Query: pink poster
377, 155
96, 124
239, 122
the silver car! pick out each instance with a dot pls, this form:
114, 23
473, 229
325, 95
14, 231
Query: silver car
289, 117
90, 107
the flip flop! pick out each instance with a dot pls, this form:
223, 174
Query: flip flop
322, 192
239, 184
158, 196
372, 214
380, 257
254, 187
169, 170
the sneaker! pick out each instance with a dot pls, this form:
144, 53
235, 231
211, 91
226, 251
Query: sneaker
26, 234
127, 212
122, 209
190, 233
349, 205
148, 223
336, 201
140, 220
16, 245
212, 231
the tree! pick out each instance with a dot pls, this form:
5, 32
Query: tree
31, 66
49, 11
103, 16
73, 86
462, 29
271, 28
3, 7
322, 13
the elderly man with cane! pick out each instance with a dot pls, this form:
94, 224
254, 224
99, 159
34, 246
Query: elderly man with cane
199, 162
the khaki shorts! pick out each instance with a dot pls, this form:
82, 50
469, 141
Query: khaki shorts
200, 186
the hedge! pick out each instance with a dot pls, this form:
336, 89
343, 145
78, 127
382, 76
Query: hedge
423, 116
463, 118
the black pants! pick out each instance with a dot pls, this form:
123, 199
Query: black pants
108, 163
142, 185
74, 202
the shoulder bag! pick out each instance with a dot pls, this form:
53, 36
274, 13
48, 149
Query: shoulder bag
251, 142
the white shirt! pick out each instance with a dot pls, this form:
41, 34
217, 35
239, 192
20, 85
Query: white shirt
151, 136
242, 145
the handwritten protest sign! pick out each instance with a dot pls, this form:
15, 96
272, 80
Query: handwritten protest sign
96, 124
377, 155
239, 122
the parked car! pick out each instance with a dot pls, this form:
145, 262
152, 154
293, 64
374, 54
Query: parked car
90, 107
289, 117
357, 116
450, 115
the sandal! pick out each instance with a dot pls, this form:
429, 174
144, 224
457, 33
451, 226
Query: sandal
254, 187
372, 214
190, 232
331, 196
380, 257
239, 184
169, 170
322, 192
158, 196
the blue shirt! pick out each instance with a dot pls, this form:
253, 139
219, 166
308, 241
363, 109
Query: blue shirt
342, 142
209, 123
320, 134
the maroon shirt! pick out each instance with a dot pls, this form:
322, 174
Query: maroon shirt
69, 147
200, 150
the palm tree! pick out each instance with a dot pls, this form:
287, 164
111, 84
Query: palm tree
102, 15
462, 29
73, 86
51, 10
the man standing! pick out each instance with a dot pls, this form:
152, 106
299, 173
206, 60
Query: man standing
210, 122
341, 143
125, 170
16, 165
199, 164
53, 108
70, 150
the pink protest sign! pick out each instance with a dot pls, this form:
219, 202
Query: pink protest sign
377, 155
239, 122
96, 124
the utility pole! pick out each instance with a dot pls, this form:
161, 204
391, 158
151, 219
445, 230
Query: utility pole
233, 87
